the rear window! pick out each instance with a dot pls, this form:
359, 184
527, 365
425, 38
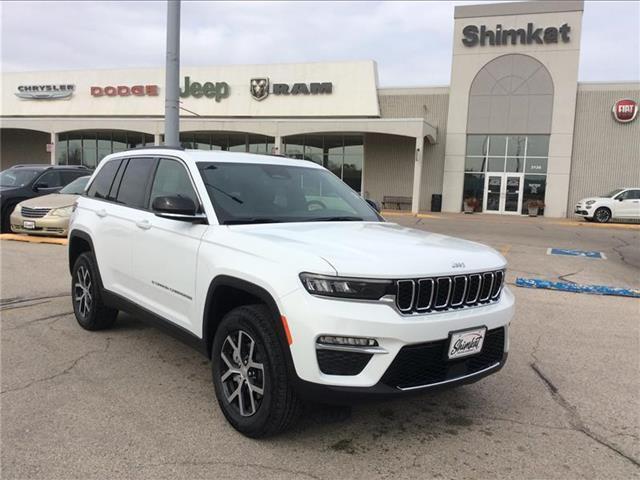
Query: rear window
133, 187
102, 183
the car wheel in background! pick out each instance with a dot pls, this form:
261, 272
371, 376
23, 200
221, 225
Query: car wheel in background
90, 312
250, 373
602, 215
6, 217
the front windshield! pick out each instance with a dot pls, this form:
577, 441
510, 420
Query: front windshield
77, 186
612, 193
17, 177
261, 193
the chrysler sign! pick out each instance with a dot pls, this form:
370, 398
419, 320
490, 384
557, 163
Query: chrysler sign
45, 92
625, 110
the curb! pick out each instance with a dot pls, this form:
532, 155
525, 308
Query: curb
33, 239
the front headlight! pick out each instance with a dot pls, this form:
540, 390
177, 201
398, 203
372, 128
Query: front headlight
590, 202
342, 287
62, 212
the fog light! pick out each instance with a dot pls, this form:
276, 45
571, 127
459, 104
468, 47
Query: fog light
353, 341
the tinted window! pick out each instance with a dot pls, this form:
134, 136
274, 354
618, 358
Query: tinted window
260, 193
630, 195
172, 179
102, 183
17, 177
70, 176
133, 187
50, 179
113, 193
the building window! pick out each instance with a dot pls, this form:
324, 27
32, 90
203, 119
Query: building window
233, 142
472, 196
341, 154
524, 156
88, 148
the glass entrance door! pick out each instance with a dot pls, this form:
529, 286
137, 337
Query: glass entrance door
513, 194
493, 189
503, 193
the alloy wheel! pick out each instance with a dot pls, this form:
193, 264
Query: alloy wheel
82, 291
602, 215
242, 373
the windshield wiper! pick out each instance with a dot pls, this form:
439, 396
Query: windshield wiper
242, 221
334, 219
235, 199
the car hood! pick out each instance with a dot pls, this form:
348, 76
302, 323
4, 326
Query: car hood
596, 199
8, 189
377, 250
53, 200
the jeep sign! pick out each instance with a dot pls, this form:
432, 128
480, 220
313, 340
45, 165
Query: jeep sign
217, 90
625, 110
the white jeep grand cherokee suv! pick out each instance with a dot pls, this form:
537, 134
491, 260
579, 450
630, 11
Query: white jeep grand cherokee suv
286, 279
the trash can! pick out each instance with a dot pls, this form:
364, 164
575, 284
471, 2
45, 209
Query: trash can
436, 202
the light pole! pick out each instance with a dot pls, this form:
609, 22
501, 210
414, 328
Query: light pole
172, 81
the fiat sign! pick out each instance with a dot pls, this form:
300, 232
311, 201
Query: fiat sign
625, 110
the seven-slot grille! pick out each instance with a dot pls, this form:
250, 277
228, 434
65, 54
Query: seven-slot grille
448, 292
34, 212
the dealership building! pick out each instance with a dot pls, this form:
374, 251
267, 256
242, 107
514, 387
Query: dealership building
514, 125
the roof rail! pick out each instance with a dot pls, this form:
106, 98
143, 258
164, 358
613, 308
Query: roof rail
158, 147
48, 165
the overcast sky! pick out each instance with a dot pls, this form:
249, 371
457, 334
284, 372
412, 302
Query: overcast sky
411, 41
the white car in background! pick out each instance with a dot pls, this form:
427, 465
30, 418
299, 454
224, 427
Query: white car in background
622, 203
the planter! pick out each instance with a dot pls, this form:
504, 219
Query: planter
533, 211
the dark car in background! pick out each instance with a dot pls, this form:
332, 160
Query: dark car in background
22, 182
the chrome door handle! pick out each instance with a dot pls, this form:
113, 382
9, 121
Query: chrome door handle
101, 213
144, 224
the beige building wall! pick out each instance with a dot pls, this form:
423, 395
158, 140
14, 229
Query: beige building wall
381, 168
23, 146
606, 153
561, 60
388, 166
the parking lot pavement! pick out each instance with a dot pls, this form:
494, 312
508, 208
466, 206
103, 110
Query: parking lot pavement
132, 402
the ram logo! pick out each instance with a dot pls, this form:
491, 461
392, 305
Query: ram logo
259, 88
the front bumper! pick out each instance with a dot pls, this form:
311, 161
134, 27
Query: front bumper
48, 225
310, 317
582, 211
341, 395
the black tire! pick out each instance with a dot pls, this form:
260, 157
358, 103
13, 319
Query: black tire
602, 215
91, 313
277, 408
5, 226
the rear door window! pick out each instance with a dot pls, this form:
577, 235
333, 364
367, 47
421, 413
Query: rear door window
135, 182
102, 183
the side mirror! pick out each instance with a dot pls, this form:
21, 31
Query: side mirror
40, 186
620, 198
373, 205
176, 207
